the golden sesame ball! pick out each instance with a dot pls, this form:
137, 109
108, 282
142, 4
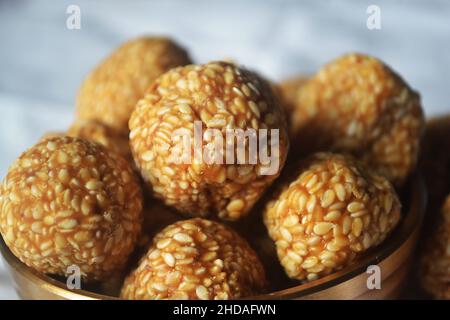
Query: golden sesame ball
98, 132
196, 259
333, 211
111, 90
359, 105
218, 96
68, 201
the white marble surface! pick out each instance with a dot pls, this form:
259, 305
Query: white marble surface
42, 62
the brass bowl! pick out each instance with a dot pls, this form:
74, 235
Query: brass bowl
393, 257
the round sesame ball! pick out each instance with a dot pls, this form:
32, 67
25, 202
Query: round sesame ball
334, 210
68, 201
110, 92
357, 104
219, 96
196, 259
98, 132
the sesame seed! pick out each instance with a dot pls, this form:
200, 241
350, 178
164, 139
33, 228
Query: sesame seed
236, 205
355, 206
327, 198
62, 157
169, 259
322, 228
309, 262
202, 292
332, 215
340, 192
37, 227
93, 184
182, 237
161, 244
68, 224
51, 146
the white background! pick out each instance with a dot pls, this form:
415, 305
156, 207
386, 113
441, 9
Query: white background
42, 62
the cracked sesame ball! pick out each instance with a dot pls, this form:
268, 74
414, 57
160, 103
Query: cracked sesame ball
357, 104
196, 259
216, 96
100, 133
435, 260
111, 90
333, 211
68, 201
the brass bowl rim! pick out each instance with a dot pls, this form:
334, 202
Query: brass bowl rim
410, 223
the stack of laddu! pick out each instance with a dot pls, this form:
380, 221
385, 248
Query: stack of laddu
348, 137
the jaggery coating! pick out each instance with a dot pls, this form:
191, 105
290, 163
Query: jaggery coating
357, 104
328, 214
110, 92
67, 201
196, 259
219, 96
